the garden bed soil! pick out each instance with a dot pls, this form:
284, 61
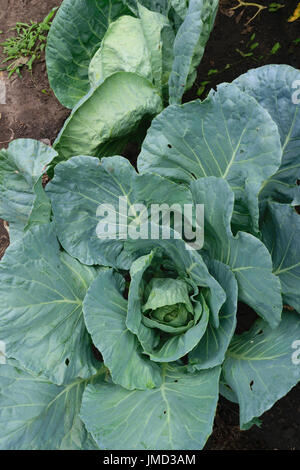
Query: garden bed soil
33, 111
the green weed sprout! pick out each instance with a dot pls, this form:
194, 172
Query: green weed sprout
27, 46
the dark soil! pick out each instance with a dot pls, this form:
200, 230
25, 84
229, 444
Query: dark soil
30, 112
31, 109
223, 63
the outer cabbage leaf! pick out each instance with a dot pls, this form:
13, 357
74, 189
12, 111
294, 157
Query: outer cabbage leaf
41, 209
259, 367
177, 415
273, 86
180, 6
246, 255
211, 350
82, 184
75, 34
105, 311
41, 319
21, 166
229, 135
38, 415
189, 45
160, 6
281, 234
101, 122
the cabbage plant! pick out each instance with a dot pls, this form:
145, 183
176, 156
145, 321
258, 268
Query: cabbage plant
119, 64
126, 343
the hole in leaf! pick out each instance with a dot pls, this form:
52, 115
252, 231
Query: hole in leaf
251, 384
170, 146
165, 412
67, 362
298, 182
176, 381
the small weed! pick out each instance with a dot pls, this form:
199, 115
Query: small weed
244, 54
273, 7
275, 48
27, 46
250, 46
212, 72
202, 87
